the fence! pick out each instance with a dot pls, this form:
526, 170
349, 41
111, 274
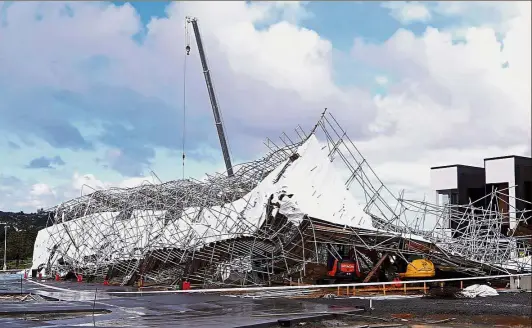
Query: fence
14, 264
304, 287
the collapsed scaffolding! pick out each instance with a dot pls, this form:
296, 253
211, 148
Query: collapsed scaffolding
477, 231
256, 228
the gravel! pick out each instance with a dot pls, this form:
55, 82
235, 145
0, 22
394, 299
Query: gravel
516, 304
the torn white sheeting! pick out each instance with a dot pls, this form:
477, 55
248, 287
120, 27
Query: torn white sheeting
310, 183
478, 291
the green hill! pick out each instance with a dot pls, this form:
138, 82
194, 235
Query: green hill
21, 233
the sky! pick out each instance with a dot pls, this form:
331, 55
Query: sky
92, 93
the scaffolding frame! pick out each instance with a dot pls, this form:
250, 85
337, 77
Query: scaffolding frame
158, 233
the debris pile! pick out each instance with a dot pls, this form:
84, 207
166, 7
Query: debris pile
272, 222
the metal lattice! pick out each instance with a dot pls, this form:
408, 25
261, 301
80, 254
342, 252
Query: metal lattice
229, 231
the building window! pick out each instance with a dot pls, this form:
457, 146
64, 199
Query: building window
444, 199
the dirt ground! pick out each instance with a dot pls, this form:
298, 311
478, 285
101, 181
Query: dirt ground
433, 321
505, 310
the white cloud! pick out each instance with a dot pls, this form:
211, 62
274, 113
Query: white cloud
448, 102
381, 80
30, 197
407, 12
35, 196
87, 183
41, 189
487, 13
453, 102
247, 63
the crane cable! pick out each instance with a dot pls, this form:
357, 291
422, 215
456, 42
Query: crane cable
187, 49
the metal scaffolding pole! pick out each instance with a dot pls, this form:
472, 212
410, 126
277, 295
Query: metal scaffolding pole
220, 232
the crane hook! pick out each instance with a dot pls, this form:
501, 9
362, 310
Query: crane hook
187, 35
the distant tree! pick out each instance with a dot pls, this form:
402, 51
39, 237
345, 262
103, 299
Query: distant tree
23, 229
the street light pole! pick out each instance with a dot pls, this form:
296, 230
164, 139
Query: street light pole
5, 246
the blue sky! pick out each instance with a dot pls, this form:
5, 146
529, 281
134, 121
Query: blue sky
93, 91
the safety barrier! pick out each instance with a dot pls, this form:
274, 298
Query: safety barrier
250, 289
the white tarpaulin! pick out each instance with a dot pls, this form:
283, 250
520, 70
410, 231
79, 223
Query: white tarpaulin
478, 291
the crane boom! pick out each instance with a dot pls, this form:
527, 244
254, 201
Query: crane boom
212, 96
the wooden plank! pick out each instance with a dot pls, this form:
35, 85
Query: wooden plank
375, 268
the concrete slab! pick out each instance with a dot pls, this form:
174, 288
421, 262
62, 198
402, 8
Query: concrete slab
13, 292
17, 323
16, 309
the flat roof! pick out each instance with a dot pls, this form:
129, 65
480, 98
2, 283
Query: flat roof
505, 157
456, 165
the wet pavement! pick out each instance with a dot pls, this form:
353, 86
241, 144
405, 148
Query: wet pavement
199, 310
162, 310
504, 310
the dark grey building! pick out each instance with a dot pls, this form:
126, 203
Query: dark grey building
511, 176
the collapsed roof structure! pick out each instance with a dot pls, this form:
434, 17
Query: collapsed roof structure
271, 221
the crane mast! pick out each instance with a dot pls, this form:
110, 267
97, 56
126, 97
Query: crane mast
212, 96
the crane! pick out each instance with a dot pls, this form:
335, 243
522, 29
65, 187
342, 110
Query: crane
210, 89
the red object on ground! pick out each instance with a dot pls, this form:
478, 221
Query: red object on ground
398, 284
57, 278
40, 276
25, 274
106, 282
80, 278
186, 285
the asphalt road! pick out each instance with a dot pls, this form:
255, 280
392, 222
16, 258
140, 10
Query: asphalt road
181, 310
163, 310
